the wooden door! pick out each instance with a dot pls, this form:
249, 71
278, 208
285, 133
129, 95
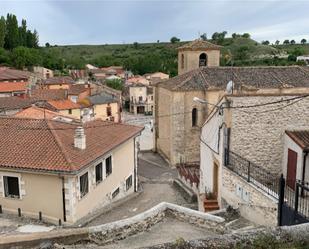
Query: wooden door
216, 180
291, 171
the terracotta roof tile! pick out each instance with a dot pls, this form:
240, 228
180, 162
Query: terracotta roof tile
59, 80
78, 89
13, 103
300, 137
45, 145
199, 44
13, 86
63, 104
48, 94
7, 74
257, 77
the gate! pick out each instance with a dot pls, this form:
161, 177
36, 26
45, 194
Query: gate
293, 205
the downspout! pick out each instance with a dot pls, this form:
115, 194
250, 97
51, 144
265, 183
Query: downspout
63, 200
135, 165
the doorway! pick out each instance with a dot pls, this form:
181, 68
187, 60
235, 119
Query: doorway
291, 170
215, 186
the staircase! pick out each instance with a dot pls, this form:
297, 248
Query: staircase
210, 205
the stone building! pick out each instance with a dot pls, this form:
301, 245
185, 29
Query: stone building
243, 150
178, 118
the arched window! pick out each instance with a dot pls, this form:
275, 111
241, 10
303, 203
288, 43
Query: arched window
203, 60
194, 117
182, 61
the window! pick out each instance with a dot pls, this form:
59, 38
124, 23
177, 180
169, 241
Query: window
140, 98
108, 165
151, 97
115, 193
203, 60
194, 117
182, 61
83, 184
98, 173
129, 183
70, 111
11, 186
108, 111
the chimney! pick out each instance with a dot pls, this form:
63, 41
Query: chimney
80, 138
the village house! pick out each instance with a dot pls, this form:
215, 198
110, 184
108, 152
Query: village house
8, 89
246, 143
60, 82
156, 77
11, 105
38, 95
13, 75
67, 107
178, 118
141, 99
73, 169
105, 106
42, 72
78, 92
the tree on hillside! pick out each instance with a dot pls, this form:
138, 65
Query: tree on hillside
115, 84
32, 39
219, 37
265, 42
277, 42
22, 30
12, 33
135, 45
303, 41
203, 36
286, 42
293, 42
246, 35
47, 44
174, 39
235, 35
2, 31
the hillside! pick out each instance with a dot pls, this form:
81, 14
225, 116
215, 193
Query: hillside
151, 57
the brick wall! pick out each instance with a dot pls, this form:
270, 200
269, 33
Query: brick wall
258, 135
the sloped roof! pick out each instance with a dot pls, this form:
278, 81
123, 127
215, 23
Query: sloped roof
59, 80
13, 86
48, 94
48, 145
78, 89
35, 112
65, 104
102, 98
13, 74
199, 44
13, 103
255, 77
300, 137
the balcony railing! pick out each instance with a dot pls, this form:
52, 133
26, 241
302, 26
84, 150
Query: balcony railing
256, 175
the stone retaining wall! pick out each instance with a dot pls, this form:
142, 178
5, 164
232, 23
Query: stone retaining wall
116, 230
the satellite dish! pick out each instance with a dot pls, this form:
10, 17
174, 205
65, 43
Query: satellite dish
229, 87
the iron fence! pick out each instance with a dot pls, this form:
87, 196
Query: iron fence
258, 176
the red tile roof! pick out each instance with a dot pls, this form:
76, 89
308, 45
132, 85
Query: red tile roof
300, 137
78, 89
46, 145
199, 44
59, 80
9, 74
48, 94
6, 87
35, 112
63, 104
14, 103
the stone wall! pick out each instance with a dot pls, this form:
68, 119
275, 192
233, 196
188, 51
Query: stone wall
264, 130
109, 232
252, 203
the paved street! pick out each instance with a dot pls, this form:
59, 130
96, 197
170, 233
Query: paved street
146, 138
156, 180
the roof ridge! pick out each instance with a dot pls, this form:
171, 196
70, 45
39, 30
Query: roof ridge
58, 141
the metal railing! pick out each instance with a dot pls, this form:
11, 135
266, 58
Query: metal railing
256, 175
190, 172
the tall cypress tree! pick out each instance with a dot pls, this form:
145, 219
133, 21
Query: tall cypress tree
23, 33
12, 34
2, 31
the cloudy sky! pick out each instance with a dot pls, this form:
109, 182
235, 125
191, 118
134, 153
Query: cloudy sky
127, 21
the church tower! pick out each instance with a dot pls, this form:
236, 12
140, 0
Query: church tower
198, 53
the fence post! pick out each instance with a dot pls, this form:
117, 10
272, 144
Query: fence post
296, 198
281, 199
248, 171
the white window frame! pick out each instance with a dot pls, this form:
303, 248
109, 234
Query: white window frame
112, 157
79, 193
95, 171
126, 182
114, 191
19, 185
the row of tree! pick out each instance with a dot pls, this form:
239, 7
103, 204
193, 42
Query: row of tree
13, 36
285, 42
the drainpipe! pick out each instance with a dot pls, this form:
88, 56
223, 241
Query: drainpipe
63, 200
304, 170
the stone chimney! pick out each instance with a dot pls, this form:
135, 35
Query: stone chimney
80, 138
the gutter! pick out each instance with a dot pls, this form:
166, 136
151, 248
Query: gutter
63, 200
304, 170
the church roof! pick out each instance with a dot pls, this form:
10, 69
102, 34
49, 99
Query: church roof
251, 77
199, 44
